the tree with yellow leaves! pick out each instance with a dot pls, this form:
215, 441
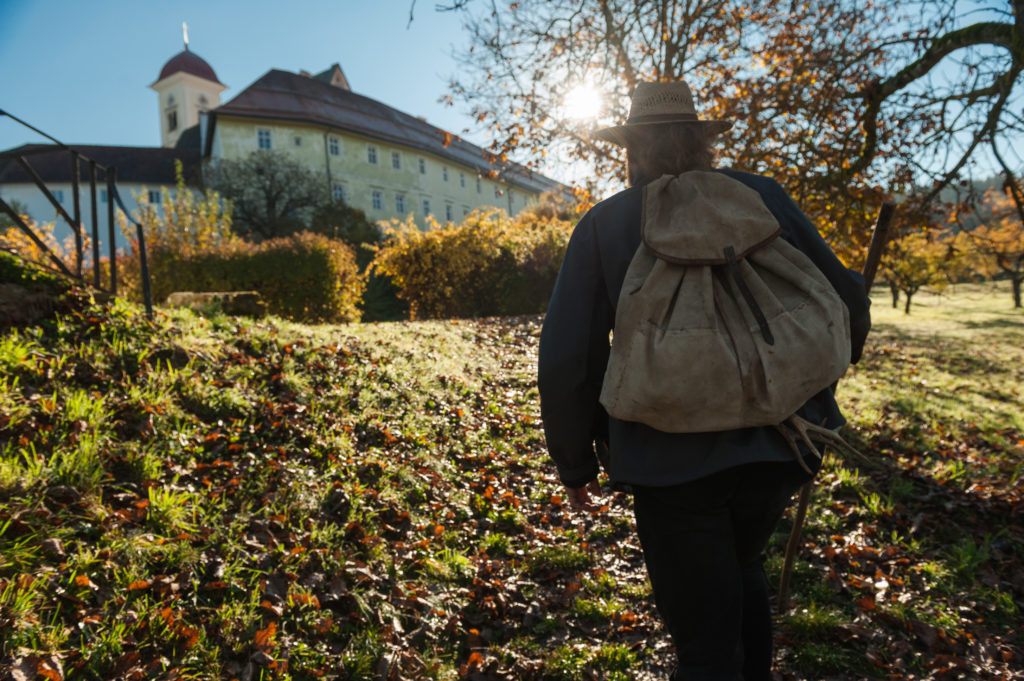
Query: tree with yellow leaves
14, 240
490, 264
182, 225
921, 259
182, 222
999, 239
844, 102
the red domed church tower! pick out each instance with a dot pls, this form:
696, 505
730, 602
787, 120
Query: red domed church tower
187, 86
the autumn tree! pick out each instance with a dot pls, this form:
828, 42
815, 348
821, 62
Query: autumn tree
999, 239
922, 258
19, 208
184, 222
843, 101
273, 195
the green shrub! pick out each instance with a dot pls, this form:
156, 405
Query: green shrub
17, 270
303, 277
489, 264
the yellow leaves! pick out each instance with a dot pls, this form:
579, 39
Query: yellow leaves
460, 270
184, 222
14, 240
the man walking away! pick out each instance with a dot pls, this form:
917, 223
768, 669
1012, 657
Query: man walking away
706, 500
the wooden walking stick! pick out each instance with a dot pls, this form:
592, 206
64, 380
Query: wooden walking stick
878, 238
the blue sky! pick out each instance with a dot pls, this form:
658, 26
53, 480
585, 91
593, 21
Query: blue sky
81, 71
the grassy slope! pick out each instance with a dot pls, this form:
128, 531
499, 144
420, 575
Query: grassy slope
222, 498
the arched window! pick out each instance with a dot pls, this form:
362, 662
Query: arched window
172, 121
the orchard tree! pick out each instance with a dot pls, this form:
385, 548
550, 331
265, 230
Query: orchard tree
273, 195
843, 101
919, 259
999, 238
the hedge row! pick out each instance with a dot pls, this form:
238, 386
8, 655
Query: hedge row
304, 277
489, 264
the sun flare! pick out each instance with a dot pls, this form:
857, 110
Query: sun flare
583, 101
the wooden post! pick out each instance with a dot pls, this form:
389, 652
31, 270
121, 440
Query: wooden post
111, 230
77, 226
879, 236
95, 226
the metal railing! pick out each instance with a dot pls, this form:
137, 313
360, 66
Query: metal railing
74, 219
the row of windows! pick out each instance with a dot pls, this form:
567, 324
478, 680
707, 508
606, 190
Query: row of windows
153, 195
263, 138
377, 202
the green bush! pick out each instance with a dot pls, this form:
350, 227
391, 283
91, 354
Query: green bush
304, 277
489, 264
16, 270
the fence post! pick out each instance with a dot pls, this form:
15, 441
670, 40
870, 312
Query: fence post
147, 295
75, 171
111, 232
95, 226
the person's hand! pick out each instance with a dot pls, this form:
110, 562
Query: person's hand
579, 497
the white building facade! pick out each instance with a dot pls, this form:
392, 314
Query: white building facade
375, 158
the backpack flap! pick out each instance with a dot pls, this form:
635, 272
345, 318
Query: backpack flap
691, 219
708, 339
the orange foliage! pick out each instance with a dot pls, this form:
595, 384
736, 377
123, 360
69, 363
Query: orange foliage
999, 239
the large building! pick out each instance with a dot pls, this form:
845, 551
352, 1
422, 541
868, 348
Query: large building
371, 156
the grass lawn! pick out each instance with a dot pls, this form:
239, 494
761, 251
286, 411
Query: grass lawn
226, 498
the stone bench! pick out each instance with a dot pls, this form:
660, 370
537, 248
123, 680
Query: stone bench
245, 303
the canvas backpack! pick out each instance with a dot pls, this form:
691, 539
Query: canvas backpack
720, 324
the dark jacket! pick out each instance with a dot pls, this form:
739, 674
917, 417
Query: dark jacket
574, 348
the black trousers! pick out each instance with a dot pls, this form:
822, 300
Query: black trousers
703, 542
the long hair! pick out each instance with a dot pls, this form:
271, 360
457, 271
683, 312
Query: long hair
668, 149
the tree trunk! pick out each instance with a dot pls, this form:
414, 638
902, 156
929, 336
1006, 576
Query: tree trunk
906, 309
895, 291
1016, 290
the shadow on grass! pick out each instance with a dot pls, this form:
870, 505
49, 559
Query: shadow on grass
917, 550
993, 324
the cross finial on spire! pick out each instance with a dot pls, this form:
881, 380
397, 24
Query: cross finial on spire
184, 31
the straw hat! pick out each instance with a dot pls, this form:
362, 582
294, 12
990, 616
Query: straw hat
657, 103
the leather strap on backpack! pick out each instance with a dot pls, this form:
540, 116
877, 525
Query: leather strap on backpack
755, 309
